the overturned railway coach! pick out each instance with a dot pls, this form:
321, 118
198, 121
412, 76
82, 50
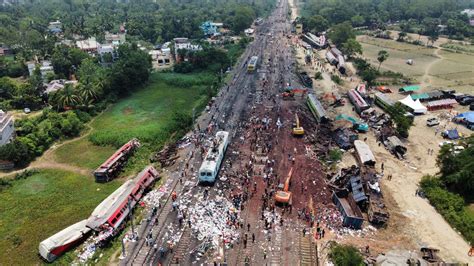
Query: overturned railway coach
110, 168
112, 211
316, 109
213, 160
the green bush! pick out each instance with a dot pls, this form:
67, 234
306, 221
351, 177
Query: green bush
336, 79
450, 205
35, 135
335, 155
345, 255
318, 75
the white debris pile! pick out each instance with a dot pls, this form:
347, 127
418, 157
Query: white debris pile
215, 219
172, 235
92, 243
87, 251
361, 233
153, 197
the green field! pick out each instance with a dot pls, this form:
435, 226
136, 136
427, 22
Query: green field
446, 69
39, 206
147, 115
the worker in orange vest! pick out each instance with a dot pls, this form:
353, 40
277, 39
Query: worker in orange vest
174, 195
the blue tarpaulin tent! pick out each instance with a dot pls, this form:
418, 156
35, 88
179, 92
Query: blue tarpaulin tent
467, 116
451, 134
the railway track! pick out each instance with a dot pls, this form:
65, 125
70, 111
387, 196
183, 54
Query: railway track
307, 251
181, 249
141, 252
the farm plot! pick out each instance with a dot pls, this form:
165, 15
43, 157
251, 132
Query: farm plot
437, 68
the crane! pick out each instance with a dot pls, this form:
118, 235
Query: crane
284, 196
298, 129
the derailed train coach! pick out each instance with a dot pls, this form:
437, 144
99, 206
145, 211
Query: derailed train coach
109, 215
212, 162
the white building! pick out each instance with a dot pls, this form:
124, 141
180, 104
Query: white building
115, 39
160, 58
55, 26
7, 128
58, 84
45, 68
90, 45
468, 12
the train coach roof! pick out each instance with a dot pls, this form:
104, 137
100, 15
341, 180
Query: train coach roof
63, 237
108, 206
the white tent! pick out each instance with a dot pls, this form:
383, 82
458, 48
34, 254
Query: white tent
416, 106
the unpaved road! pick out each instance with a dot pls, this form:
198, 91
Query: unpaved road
428, 226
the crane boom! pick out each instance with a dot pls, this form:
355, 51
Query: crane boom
287, 181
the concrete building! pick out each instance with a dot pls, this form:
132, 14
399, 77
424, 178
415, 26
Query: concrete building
7, 128
184, 44
55, 27
90, 45
45, 68
115, 39
160, 59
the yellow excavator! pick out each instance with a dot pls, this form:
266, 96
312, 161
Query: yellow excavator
297, 129
284, 196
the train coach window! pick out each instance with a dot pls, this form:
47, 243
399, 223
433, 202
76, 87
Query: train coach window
209, 174
203, 173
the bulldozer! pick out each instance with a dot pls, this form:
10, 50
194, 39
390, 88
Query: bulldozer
284, 196
298, 130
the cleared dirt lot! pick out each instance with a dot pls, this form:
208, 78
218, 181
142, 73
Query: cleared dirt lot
434, 67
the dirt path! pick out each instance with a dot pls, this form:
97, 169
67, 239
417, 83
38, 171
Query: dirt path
47, 160
425, 80
428, 228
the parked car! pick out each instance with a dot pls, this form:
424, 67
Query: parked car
27, 110
433, 121
447, 142
467, 100
471, 107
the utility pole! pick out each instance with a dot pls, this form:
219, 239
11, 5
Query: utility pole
194, 114
131, 218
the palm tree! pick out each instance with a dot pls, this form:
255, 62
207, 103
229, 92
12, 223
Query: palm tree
88, 91
67, 97
382, 56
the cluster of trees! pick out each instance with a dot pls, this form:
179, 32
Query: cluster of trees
25, 26
345, 255
453, 188
96, 83
402, 122
344, 36
96, 86
12, 68
420, 16
35, 135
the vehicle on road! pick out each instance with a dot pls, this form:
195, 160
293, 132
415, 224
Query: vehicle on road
432, 121
467, 100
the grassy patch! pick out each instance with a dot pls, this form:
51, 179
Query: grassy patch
39, 206
83, 153
147, 115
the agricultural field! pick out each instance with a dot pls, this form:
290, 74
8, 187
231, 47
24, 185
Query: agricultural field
24, 220
433, 67
147, 114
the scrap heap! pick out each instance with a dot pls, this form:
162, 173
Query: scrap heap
360, 185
